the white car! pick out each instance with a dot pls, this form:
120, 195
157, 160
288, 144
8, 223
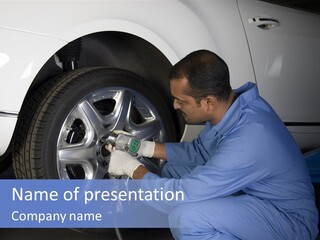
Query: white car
73, 71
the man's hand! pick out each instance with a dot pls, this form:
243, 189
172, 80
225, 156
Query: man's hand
122, 163
134, 146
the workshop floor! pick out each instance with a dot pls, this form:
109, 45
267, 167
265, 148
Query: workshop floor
69, 234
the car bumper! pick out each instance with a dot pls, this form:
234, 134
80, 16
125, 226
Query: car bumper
7, 124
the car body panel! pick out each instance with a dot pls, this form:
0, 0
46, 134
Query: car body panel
286, 62
168, 33
24, 53
286, 59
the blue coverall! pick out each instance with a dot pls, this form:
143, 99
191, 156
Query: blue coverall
243, 178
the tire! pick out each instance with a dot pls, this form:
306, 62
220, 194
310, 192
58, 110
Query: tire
59, 130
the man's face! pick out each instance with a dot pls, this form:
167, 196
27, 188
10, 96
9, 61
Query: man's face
192, 111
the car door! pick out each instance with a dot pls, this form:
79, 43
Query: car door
285, 50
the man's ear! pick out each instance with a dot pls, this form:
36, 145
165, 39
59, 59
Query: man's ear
210, 102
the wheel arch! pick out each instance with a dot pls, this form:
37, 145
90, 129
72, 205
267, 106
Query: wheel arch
116, 49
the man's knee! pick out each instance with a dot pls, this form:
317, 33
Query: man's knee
187, 222
181, 216
182, 222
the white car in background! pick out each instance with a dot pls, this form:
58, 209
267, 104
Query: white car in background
73, 71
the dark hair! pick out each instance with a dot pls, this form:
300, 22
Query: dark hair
207, 74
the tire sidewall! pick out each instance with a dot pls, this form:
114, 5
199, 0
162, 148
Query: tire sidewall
61, 101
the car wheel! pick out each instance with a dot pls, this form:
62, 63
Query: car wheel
60, 129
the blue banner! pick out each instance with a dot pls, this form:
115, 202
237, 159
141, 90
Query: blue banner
82, 204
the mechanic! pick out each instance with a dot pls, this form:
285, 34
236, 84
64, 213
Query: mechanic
244, 177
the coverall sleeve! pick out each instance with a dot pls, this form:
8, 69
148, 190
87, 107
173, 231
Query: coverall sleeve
185, 153
235, 165
188, 153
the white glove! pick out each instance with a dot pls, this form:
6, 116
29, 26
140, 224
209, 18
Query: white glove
146, 149
122, 163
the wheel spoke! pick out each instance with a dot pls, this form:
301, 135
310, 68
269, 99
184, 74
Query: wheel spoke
92, 118
100, 172
147, 130
79, 155
75, 155
123, 108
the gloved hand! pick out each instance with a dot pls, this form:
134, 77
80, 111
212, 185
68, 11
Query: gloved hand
135, 147
122, 163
